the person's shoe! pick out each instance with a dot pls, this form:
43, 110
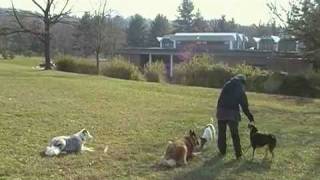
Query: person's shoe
239, 158
222, 155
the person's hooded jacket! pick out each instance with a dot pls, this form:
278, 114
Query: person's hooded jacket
233, 97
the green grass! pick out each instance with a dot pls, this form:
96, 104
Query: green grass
136, 119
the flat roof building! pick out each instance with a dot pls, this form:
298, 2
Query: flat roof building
204, 42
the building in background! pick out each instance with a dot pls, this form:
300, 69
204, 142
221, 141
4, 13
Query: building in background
273, 53
204, 42
288, 44
269, 43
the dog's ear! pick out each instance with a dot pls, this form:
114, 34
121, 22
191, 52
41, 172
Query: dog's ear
190, 133
193, 133
254, 128
250, 126
84, 131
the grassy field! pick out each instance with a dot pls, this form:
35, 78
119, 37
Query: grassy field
136, 119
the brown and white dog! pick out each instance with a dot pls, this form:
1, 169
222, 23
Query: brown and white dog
180, 151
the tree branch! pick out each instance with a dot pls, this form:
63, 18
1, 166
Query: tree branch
273, 8
49, 4
56, 18
31, 14
22, 27
8, 31
39, 6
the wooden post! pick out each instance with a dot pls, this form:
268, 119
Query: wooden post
171, 65
150, 59
230, 45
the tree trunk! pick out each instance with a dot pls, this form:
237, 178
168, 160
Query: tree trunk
47, 46
113, 47
98, 60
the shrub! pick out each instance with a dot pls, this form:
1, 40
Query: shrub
11, 55
218, 75
86, 67
122, 69
201, 71
155, 72
255, 76
248, 71
4, 54
197, 71
273, 82
297, 85
70, 64
66, 64
179, 74
314, 77
27, 53
257, 83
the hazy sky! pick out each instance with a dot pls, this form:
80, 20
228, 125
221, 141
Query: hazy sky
244, 11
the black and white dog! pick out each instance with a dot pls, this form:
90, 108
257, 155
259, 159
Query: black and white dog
68, 144
209, 134
259, 140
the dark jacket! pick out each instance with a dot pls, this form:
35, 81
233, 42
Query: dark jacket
232, 96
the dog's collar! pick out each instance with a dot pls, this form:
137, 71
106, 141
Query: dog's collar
189, 139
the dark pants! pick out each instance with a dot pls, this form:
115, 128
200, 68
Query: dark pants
233, 126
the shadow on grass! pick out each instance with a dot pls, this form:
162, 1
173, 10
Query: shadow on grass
217, 166
297, 100
210, 169
253, 166
43, 155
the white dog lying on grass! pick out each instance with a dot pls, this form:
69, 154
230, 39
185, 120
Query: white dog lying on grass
68, 144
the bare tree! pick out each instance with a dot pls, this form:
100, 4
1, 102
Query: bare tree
49, 16
102, 14
100, 33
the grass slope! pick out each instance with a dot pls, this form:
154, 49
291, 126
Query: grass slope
136, 119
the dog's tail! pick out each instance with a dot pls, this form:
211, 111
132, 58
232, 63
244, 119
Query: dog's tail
214, 133
52, 151
214, 130
168, 163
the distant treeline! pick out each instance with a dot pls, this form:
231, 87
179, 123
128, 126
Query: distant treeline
76, 35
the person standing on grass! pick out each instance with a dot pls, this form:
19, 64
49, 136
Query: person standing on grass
228, 112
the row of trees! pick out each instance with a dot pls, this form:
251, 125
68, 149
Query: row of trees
103, 32
302, 20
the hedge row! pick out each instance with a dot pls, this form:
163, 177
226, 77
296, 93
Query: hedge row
70, 64
201, 71
117, 67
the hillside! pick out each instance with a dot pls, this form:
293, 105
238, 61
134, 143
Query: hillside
136, 119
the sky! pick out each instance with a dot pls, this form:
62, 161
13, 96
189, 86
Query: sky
245, 12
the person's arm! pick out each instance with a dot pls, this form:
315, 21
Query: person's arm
245, 106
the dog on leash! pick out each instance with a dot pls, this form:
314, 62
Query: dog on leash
68, 144
209, 134
180, 151
260, 140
